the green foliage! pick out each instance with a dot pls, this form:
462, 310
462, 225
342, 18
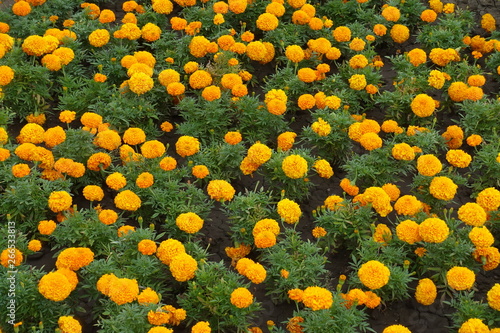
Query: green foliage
78, 146
346, 226
467, 306
130, 317
207, 298
485, 166
337, 318
303, 260
245, 210
480, 117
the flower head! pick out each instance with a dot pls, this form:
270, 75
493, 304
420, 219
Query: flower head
374, 274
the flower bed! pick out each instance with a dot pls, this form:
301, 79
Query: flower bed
249, 166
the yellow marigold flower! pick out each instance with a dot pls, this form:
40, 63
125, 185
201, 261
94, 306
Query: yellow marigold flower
460, 278
391, 13
333, 202
36, 118
400, 33
256, 50
370, 141
6, 75
408, 205
59, 201
488, 22
286, 140
458, 158
333, 53
355, 296
476, 80
348, 188
54, 286
428, 15
489, 199
474, 140
46, 227
116, 181
220, 190
294, 166
134, 136
433, 230
473, 325
108, 139
153, 149
306, 75
168, 249
20, 170
189, 222
200, 79
488, 256
319, 232
426, 292
296, 295
68, 324
168, 163
294, 53
162, 6
323, 168
211, 93
403, 151
474, 93
264, 239
74, 258
6, 258
150, 32
379, 29
289, 211
443, 188
233, 138
99, 37
4, 136
382, 233
201, 327
108, 216
127, 200
379, 199
481, 237
342, 34
429, 165
472, 214
436, 79
357, 44
300, 17
267, 22
242, 265
442, 57
4, 154
31, 133
21, 8
34, 245
159, 317
266, 225
417, 57
317, 298
241, 298
256, 273
183, 267
259, 153
145, 180
408, 231
374, 274
357, 82
93, 193
396, 329
123, 291
493, 297
423, 105
458, 91
392, 191
140, 83
148, 296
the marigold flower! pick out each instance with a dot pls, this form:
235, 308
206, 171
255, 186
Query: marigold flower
189, 222
127, 200
183, 267
59, 201
6, 75
323, 168
460, 278
162, 6
148, 295
31, 133
296, 295
289, 211
428, 15
442, 57
54, 286
443, 188
123, 291
294, 53
488, 22
493, 297
68, 324
342, 34
374, 274
408, 231
429, 165
220, 190
74, 258
423, 105
93, 193
108, 216
241, 298
153, 149
433, 230
200, 171
20, 170
317, 298
391, 13
168, 163
348, 188
400, 33
168, 249
259, 153
21, 8
201, 327
370, 141
294, 166
233, 138
99, 37
408, 205
145, 180
357, 82
481, 237
256, 273
382, 233
458, 158
403, 151
396, 329
417, 57
489, 199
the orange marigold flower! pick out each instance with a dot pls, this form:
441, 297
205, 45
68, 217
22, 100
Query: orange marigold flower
74, 258
370, 141
241, 298
443, 188
220, 190
144, 180
189, 222
400, 33
426, 292
317, 298
183, 267
294, 166
59, 201
108, 216
342, 34
396, 329
474, 140
433, 230
93, 193
408, 231
46, 227
429, 165
153, 149
54, 286
391, 13
323, 168
489, 199
481, 237
460, 278
423, 105
403, 151
259, 153
127, 200
408, 205
417, 57
374, 274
